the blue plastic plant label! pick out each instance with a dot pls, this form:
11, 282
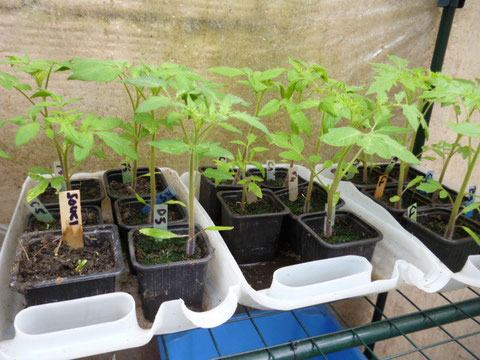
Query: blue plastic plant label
428, 176
471, 198
163, 197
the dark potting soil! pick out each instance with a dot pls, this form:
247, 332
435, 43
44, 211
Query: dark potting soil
408, 198
89, 190
132, 214
120, 189
344, 231
438, 223
279, 181
260, 275
261, 206
317, 202
89, 217
151, 251
42, 263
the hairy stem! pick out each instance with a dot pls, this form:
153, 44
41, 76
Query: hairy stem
191, 206
153, 185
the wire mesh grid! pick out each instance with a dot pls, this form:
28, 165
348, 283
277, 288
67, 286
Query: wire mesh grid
430, 325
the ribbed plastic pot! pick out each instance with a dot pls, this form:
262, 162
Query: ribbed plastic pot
422, 201
96, 201
124, 227
314, 247
254, 238
291, 229
453, 253
77, 286
55, 212
278, 171
208, 195
116, 175
179, 280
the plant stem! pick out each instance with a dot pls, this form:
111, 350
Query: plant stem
244, 199
461, 194
66, 175
153, 185
452, 152
308, 200
191, 206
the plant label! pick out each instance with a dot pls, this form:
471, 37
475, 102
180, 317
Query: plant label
325, 218
163, 197
251, 197
160, 220
412, 212
428, 176
356, 162
293, 183
58, 171
40, 211
127, 173
71, 218
382, 182
270, 170
222, 159
391, 165
471, 199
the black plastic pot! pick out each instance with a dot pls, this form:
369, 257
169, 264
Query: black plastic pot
291, 229
283, 172
208, 195
55, 211
453, 253
357, 179
316, 248
124, 227
75, 185
409, 197
77, 286
254, 238
116, 175
179, 280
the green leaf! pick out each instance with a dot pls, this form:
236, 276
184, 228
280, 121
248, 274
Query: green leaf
26, 133
37, 190
393, 130
291, 155
301, 122
219, 228
252, 187
467, 128
327, 164
412, 183
443, 194
147, 81
57, 182
154, 103
106, 124
17, 120
270, 108
118, 144
230, 127
4, 155
141, 200
40, 170
251, 120
8, 81
87, 141
217, 174
175, 202
395, 198
212, 150
472, 234
413, 115
471, 207
297, 143
160, 233
343, 136
315, 159
93, 70
430, 187
271, 74
227, 71
170, 146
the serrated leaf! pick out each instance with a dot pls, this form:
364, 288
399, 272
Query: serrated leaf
251, 120
8, 81
147, 81
92, 70
270, 108
170, 146
230, 127
227, 71
37, 190
343, 136
26, 133
291, 155
315, 159
40, 170
271, 74
413, 115
118, 144
57, 182
153, 103
82, 153
467, 128
160, 234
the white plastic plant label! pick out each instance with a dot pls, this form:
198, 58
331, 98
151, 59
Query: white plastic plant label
270, 170
160, 220
58, 171
471, 199
293, 183
412, 212
127, 172
71, 218
39, 211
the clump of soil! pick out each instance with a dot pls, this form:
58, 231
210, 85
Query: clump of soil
438, 223
119, 189
317, 203
132, 214
89, 190
260, 275
43, 263
261, 206
344, 231
151, 251
89, 217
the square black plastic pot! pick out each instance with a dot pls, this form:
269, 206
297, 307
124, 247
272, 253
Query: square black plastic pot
254, 238
291, 229
55, 212
208, 195
77, 286
375, 173
453, 253
278, 171
179, 280
314, 247
124, 228
422, 201
116, 175
75, 183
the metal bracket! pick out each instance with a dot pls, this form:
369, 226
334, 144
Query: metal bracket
451, 3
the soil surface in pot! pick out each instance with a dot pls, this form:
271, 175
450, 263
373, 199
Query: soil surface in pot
151, 251
89, 217
438, 223
408, 199
317, 203
120, 189
132, 214
260, 275
344, 231
261, 206
89, 190
279, 181
42, 263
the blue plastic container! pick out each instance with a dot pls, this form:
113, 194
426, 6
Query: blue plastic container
240, 334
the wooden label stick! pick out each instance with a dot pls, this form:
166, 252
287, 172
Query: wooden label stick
270, 170
127, 173
382, 182
160, 220
71, 218
293, 183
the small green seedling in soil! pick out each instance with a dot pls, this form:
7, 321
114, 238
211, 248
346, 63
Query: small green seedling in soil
80, 265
